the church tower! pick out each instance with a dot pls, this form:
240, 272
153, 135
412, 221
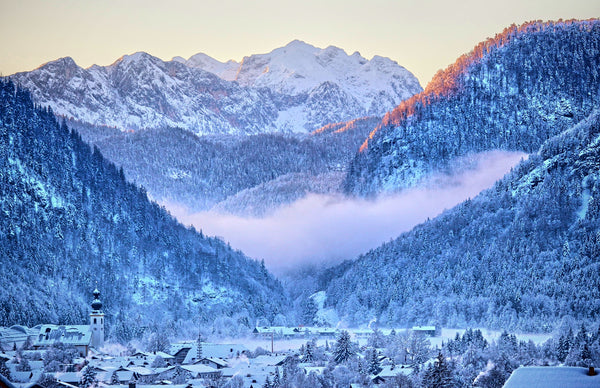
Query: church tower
97, 321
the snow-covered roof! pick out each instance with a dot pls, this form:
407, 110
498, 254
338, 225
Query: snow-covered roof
387, 371
223, 351
282, 330
199, 368
76, 335
140, 370
69, 377
216, 360
164, 355
551, 377
423, 328
268, 360
317, 369
15, 335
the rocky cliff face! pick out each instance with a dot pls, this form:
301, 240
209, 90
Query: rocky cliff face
296, 88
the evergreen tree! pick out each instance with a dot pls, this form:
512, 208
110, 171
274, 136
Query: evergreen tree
343, 348
4, 371
373, 360
309, 311
276, 379
438, 375
267, 383
308, 353
88, 377
562, 348
494, 378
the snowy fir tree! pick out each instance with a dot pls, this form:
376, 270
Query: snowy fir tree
374, 366
276, 379
439, 374
308, 352
267, 383
88, 377
343, 349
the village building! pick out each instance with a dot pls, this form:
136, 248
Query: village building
553, 376
82, 337
213, 362
430, 331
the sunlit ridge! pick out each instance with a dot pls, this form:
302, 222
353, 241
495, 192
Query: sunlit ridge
447, 82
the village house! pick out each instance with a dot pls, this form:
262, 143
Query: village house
430, 331
82, 337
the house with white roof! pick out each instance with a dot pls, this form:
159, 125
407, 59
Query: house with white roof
213, 362
552, 377
82, 337
425, 330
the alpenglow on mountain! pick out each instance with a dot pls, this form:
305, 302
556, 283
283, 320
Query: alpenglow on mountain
296, 88
512, 92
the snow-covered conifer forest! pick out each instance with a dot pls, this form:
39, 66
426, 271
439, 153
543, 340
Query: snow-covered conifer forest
92, 159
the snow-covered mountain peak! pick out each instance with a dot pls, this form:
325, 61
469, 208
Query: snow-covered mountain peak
139, 57
296, 45
61, 64
299, 67
225, 70
297, 88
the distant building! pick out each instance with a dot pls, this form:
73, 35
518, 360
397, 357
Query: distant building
78, 336
213, 362
97, 321
425, 330
82, 337
552, 376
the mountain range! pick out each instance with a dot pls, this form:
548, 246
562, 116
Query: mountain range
296, 88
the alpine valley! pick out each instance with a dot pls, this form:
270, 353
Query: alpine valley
141, 112
248, 137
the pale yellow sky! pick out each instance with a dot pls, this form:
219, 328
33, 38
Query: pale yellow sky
421, 35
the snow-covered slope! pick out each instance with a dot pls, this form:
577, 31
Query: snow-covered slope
142, 91
296, 88
300, 68
511, 92
227, 70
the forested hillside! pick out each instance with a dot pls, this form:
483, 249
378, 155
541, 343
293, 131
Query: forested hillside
69, 222
199, 172
524, 254
511, 92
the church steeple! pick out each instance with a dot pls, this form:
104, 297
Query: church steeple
97, 321
96, 304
